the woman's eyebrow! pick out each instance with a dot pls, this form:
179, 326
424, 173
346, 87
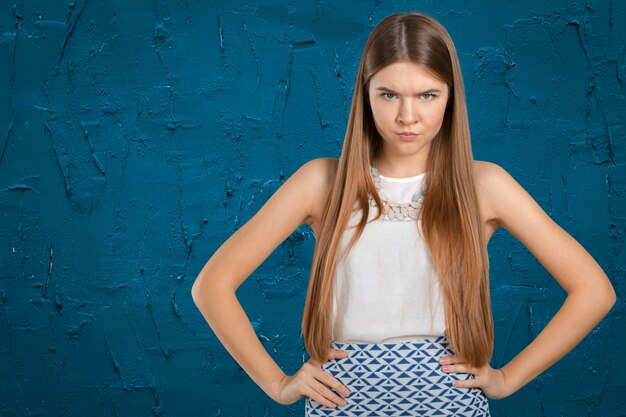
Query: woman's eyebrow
389, 90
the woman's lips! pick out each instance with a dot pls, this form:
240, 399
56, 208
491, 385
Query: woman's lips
407, 135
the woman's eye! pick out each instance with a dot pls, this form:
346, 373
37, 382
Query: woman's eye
389, 96
428, 96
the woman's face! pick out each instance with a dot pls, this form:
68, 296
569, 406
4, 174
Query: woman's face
408, 104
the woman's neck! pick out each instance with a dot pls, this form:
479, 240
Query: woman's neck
399, 168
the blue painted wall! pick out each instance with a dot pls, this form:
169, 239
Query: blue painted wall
136, 136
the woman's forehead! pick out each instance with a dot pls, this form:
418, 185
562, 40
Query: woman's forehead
406, 78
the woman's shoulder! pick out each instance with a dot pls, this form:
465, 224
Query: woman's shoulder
318, 174
317, 177
485, 171
494, 186
323, 169
499, 194
491, 177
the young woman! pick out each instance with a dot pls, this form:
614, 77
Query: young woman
398, 318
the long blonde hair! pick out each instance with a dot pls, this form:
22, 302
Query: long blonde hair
451, 220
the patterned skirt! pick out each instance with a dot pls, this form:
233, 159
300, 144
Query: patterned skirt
399, 379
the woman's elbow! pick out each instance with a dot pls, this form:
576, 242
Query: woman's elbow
206, 289
610, 297
605, 297
598, 296
196, 290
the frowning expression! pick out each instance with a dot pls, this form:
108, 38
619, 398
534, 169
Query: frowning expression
408, 104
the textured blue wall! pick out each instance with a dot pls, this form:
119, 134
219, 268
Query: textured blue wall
136, 136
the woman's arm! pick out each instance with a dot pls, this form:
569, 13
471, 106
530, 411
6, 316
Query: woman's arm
214, 289
590, 295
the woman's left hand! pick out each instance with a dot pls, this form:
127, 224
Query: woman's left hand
491, 381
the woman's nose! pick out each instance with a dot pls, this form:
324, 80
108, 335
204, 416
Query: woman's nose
408, 112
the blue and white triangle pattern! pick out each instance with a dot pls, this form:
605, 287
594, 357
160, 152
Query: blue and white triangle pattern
399, 380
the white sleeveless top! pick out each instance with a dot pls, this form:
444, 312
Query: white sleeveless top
386, 289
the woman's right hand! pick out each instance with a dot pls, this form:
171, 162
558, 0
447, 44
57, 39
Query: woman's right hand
313, 382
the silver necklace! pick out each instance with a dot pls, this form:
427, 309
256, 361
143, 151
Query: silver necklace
397, 211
